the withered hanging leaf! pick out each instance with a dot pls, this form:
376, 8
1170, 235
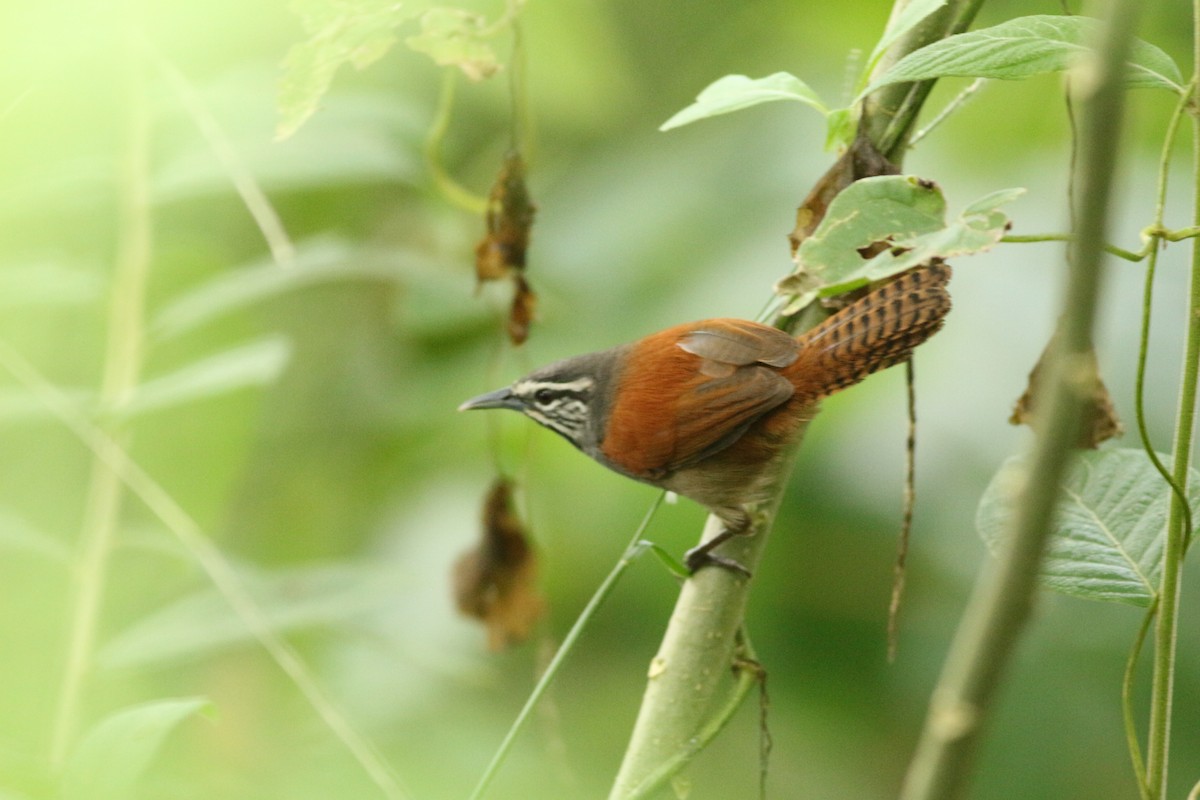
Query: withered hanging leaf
861, 160
509, 219
501, 253
1101, 422
494, 581
520, 316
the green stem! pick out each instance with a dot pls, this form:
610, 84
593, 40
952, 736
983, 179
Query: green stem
687, 698
1111, 249
890, 113
1001, 604
1131, 734
451, 189
748, 676
1166, 632
122, 364
632, 552
1153, 234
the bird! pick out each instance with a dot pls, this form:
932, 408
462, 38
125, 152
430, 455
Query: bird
708, 409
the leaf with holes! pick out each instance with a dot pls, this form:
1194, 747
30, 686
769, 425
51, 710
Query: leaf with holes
1110, 525
882, 226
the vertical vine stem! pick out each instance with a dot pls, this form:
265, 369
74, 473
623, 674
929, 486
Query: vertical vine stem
122, 364
1166, 631
1000, 606
1178, 490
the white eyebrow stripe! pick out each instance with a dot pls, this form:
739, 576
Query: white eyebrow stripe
577, 385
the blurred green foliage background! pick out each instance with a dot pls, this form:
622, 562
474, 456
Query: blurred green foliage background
322, 453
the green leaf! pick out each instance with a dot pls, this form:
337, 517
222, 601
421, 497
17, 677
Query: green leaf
1023, 47
980, 226
289, 599
258, 363
902, 210
735, 92
454, 37
665, 557
840, 127
356, 32
909, 17
110, 760
1109, 529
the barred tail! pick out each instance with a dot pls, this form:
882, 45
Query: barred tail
873, 333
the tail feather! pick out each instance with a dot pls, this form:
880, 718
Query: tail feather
873, 333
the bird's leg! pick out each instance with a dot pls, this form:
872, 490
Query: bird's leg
735, 521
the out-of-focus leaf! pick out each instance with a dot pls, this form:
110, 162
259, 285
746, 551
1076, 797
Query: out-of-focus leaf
359, 138
321, 261
1109, 526
289, 599
735, 92
18, 535
455, 37
1023, 47
882, 226
356, 32
111, 758
495, 581
19, 406
255, 364
47, 285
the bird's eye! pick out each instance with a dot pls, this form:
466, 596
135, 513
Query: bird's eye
543, 397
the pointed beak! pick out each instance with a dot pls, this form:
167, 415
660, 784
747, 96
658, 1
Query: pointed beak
501, 398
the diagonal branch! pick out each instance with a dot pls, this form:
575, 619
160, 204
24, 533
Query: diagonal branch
689, 678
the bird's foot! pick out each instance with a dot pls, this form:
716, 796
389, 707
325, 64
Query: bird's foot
702, 556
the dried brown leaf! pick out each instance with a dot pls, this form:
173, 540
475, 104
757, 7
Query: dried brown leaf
495, 581
521, 315
509, 219
861, 160
1101, 423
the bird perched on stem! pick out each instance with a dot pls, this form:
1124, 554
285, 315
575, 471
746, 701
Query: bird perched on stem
708, 409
